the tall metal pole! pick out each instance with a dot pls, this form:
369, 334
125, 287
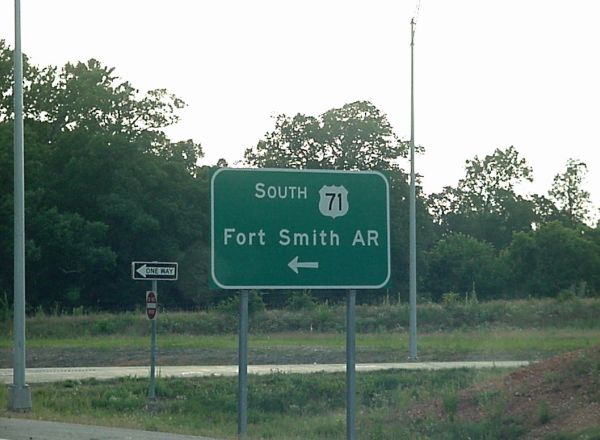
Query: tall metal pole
243, 367
351, 365
20, 394
412, 209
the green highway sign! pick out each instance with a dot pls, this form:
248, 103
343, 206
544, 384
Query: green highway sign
299, 229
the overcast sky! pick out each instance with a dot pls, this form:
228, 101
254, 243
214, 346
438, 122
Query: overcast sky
489, 74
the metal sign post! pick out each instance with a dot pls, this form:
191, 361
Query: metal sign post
243, 366
153, 271
19, 398
351, 365
299, 229
412, 213
152, 311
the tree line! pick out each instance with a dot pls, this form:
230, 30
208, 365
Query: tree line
106, 186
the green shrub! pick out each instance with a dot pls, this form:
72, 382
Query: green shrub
543, 412
450, 299
301, 301
78, 311
231, 305
548, 313
471, 297
326, 318
450, 403
566, 295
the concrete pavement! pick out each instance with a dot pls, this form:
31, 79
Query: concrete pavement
40, 375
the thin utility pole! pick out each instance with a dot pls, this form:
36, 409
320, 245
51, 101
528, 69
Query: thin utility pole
19, 393
412, 209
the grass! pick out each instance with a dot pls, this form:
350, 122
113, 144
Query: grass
385, 318
586, 434
281, 406
505, 343
313, 406
390, 405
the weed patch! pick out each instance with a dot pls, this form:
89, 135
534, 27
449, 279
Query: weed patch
281, 406
543, 412
306, 316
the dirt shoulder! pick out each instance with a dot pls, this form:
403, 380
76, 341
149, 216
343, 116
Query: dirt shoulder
61, 357
561, 394
83, 357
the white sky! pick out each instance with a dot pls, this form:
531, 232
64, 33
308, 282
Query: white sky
489, 74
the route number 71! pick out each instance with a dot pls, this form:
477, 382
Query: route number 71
333, 201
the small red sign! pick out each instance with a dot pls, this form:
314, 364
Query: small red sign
151, 304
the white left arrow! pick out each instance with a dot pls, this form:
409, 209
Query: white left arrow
295, 264
142, 270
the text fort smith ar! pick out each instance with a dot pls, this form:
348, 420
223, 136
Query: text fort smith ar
233, 237
285, 237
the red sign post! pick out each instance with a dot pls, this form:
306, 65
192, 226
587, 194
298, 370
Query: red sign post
151, 304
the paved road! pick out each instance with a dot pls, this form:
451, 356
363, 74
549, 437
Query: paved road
21, 429
39, 375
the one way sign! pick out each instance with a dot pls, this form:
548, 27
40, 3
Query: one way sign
153, 270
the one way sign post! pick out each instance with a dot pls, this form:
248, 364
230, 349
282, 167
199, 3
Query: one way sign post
153, 271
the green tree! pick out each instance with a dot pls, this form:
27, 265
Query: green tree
153, 205
69, 258
491, 179
460, 263
104, 186
356, 136
551, 259
544, 210
568, 193
37, 86
484, 204
428, 233
89, 96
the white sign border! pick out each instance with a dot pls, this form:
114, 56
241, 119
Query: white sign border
294, 286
